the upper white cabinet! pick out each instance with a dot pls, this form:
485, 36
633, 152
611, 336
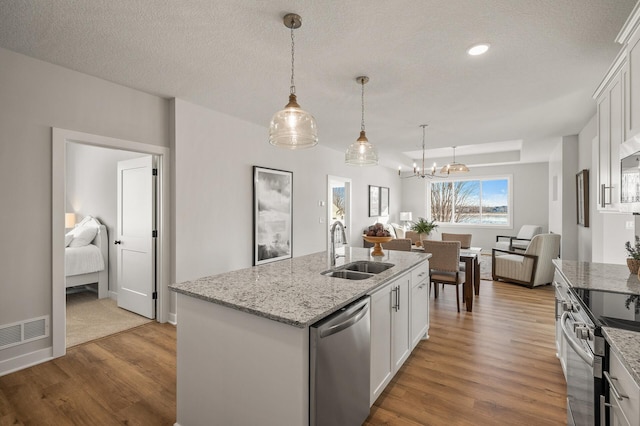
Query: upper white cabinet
610, 120
618, 116
632, 83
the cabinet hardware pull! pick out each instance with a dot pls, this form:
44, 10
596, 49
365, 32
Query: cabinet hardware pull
615, 392
398, 296
603, 200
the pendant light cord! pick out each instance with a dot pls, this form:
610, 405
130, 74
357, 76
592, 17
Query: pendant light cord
362, 102
423, 131
293, 86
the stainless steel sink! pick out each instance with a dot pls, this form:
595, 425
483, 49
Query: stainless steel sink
368, 266
347, 275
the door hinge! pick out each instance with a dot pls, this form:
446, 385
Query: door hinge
154, 172
154, 234
155, 295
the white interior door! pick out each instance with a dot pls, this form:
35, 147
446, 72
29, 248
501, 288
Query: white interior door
134, 236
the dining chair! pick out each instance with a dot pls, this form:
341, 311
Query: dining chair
445, 264
465, 239
402, 244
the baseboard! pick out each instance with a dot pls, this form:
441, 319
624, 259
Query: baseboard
173, 319
21, 362
113, 295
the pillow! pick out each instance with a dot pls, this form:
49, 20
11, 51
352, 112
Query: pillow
399, 232
392, 231
68, 238
83, 236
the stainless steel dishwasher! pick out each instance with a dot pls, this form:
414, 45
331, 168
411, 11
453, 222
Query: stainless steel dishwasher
339, 360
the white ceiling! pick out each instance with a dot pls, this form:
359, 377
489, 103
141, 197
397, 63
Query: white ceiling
532, 87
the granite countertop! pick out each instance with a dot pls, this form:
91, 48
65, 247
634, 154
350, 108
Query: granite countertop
293, 291
627, 344
598, 276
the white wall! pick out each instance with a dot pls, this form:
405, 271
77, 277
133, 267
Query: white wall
37, 96
585, 141
529, 204
214, 156
563, 166
91, 189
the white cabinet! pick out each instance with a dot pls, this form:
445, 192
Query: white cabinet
611, 124
396, 318
624, 394
632, 89
400, 333
381, 365
419, 304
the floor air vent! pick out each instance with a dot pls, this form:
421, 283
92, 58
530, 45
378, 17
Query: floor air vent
24, 331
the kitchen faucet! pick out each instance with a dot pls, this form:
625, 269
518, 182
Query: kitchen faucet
336, 224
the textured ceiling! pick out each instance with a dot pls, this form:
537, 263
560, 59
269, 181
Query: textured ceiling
532, 87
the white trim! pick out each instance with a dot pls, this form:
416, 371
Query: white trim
59, 139
19, 362
630, 24
173, 318
508, 177
615, 67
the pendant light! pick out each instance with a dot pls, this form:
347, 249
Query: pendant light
416, 171
361, 152
293, 128
454, 167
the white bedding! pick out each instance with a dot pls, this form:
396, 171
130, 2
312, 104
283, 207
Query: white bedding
83, 260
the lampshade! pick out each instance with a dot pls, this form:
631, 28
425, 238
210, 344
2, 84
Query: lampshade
69, 220
361, 152
292, 127
406, 216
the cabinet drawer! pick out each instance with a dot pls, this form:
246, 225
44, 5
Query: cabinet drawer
626, 386
420, 273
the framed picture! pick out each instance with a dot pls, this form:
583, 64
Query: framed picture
384, 201
272, 215
582, 190
374, 201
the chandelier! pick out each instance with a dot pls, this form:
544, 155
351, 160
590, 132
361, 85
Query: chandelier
454, 167
417, 172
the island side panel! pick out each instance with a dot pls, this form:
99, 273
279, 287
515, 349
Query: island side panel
235, 368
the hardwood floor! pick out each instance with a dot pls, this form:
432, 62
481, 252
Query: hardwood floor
494, 366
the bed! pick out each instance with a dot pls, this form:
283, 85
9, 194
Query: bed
87, 256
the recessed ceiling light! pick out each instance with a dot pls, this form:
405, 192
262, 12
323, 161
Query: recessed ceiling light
478, 49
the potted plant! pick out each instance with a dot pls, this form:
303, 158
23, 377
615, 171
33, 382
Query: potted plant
633, 261
423, 228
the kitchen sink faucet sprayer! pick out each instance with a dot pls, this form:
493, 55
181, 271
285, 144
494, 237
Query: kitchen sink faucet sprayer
333, 240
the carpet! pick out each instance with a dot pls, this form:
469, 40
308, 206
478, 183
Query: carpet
485, 267
90, 318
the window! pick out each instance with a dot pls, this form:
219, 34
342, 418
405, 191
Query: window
485, 201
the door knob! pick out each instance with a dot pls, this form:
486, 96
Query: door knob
117, 242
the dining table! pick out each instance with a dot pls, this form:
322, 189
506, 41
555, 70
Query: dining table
471, 259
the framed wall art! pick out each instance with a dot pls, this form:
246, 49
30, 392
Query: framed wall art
272, 215
384, 201
374, 200
582, 190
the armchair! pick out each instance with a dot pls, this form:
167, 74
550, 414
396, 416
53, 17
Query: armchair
521, 241
533, 267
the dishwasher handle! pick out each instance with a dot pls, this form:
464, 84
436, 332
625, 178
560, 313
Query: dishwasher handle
348, 322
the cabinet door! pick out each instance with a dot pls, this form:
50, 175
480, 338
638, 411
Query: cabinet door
604, 143
400, 322
381, 366
633, 86
616, 132
419, 311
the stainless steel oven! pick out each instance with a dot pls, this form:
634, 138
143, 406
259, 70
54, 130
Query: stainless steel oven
586, 311
584, 356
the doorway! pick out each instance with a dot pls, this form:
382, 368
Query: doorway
60, 139
338, 205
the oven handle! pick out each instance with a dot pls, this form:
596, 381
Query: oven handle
575, 345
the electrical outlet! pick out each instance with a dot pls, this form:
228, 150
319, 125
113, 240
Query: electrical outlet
629, 224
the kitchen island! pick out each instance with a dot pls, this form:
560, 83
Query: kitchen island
243, 336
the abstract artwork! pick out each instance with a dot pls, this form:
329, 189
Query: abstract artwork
272, 215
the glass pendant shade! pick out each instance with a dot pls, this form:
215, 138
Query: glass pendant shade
361, 152
293, 128
454, 168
